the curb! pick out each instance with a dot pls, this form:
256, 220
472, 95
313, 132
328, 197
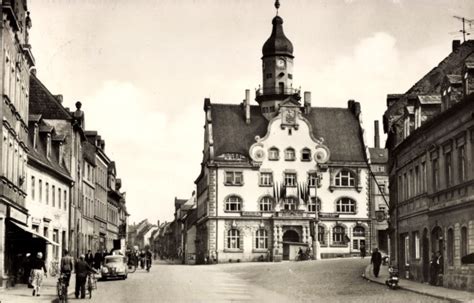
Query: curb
367, 272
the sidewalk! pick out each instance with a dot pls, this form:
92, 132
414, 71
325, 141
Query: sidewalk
22, 294
421, 288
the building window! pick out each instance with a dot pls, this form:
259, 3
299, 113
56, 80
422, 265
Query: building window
345, 178
358, 231
234, 178
33, 184
312, 205
47, 192
407, 249
273, 154
266, 203
261, 239
462, 163
435, 174
416, 186
306, 154
321, 232
416, 244
358, 235
65, 199
463, 241
338, 233
312, 180
53, 195
450, 247
345, 205
423, 177
448, 169
40, 190
266, 179
233, 203
290, 154
55, 247
233, 239
59, 198
290, 179
290, 203
410, 183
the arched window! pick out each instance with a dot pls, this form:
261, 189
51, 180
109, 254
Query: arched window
345, 205
233, 239
450, 248
233, 203
290, 203
290, 154
321, 232
338, 233
358, 231
312, 205
261, 239
266, 203
345, 178
306, 154
273, 154
463, 241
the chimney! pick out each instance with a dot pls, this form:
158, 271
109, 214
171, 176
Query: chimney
307, 102
59, 98
376, 134
247, 106
456, 44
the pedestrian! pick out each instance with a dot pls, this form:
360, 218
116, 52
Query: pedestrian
300, 254
376, 260
90, 258
82, 270
67, 265
433, 269
38, 272
362, 251
97, 260
440, 268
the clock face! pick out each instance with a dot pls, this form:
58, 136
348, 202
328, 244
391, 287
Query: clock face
280, 63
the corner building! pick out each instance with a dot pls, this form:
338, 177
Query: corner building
260, 192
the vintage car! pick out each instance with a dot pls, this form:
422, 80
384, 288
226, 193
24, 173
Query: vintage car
115, 266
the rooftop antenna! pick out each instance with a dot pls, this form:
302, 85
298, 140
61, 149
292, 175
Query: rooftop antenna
277, 5
464, 21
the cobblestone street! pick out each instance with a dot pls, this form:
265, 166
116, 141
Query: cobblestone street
309, 281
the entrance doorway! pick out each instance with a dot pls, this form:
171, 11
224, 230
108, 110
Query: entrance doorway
426, 256
290, 236
437, 243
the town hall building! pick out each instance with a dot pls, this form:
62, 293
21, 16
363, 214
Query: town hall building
280, 173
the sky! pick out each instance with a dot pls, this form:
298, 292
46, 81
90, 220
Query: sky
142, 69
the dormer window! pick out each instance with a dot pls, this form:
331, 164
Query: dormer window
273, 154
48, 145
35, 136
306, 154
345, 178
290, 154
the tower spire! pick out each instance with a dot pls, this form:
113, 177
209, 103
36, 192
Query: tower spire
277, 6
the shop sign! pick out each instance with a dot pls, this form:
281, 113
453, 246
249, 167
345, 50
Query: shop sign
18, 215
328, 215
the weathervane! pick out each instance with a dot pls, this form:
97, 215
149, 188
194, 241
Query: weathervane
277, 5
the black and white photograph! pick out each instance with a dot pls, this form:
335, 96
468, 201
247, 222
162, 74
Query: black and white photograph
237, 151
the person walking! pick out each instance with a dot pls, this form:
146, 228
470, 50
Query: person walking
362, 251
82, 270
67, 264
90, 258
376, 260
433, 269
38, 272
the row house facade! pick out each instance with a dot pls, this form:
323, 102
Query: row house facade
17, 63
281, 175
431, 144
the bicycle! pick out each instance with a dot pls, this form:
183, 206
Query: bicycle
132, 265
91, 284
54, 268
61, 288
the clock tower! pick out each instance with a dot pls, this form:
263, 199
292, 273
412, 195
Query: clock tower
277, 70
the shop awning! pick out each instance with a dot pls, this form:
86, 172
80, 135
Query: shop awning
34, 233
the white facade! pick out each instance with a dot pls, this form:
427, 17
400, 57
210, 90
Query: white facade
48, 205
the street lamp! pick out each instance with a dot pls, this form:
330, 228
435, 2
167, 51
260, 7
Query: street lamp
321, 156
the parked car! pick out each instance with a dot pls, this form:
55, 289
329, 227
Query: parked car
115, 266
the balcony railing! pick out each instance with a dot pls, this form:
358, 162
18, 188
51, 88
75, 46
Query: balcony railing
277, 91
